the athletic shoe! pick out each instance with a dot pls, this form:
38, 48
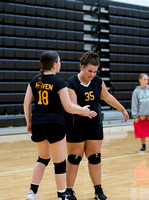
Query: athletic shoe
99, 195
70, 194
143, 149
32, 196
62, 196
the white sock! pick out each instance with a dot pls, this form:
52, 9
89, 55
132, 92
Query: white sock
61, 191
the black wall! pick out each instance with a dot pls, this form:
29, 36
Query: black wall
27, 28
119, 33
129, 48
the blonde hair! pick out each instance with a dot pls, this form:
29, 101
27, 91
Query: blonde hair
141, 75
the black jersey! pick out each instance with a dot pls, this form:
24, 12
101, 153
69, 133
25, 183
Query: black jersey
48, 107
87, 95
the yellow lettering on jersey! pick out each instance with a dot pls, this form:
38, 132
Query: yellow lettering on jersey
44, 86
89, 96
43, 97
37, 85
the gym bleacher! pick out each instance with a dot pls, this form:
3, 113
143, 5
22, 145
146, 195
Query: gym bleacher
117, 31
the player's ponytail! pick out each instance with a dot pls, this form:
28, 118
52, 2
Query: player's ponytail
40, 78
47, 59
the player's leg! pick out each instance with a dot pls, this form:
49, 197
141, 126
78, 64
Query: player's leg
42, 161
143, 140
75, 153
58, 152
39, 168
92, 152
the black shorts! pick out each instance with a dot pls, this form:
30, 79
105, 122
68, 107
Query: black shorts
52, 132
81, 133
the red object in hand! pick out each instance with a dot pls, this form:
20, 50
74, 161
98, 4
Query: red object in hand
141, 128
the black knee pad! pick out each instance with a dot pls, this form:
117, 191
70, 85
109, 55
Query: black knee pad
74, 159
43, 161
95, 158
60, 168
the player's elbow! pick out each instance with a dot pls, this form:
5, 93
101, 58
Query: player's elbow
69, 108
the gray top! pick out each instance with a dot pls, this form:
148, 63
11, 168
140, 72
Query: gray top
140, 102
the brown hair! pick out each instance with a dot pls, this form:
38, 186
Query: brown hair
47, 59
90, 57
141, 75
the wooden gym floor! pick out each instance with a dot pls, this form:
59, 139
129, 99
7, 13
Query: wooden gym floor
125, 172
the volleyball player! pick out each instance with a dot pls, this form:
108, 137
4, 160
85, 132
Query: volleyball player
46, 123
84, 135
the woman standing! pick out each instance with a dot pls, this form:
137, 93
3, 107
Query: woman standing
46, 124
140, 104
85, 135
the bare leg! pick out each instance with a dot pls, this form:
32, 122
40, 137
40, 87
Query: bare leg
95, 173
92, 147
143, 140
38, 172
60, 180
39, 168
58, 151
143, 117
75, 149
71, 174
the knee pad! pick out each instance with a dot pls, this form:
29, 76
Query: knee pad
95, 158
60, 168
74, 159
43, 161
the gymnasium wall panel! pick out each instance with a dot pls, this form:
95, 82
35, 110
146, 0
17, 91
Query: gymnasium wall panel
121, 39
129, 48
27, 28
117, 31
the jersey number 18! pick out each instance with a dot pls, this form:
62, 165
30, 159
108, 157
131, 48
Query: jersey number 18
43, 97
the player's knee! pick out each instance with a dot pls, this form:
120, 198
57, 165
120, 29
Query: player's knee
60, 168
43, 161
74, 159
94, 158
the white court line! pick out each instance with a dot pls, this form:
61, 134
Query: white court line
125, 156
112, 158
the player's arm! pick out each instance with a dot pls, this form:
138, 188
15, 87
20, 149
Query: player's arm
73, 96
72, 107
134, 106
111, 100
27, 107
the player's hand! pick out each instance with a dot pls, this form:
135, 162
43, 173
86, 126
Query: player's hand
92, 114
29, 128
89, 113
136, 120
125, 114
